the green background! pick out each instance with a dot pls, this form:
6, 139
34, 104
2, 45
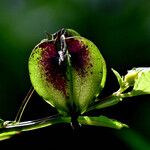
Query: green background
119, 28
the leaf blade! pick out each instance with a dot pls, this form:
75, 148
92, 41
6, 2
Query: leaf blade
120, 80
101, 121
141, 82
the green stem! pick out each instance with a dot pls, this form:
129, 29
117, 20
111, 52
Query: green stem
111, 100
126, 95
32, 125
106, 102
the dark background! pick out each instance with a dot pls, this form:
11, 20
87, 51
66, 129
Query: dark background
119, 28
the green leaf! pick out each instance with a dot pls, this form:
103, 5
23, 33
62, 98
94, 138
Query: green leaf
119, 78
101, 121
140, 78
7, 135
142, 83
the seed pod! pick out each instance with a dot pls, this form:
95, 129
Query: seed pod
68, 71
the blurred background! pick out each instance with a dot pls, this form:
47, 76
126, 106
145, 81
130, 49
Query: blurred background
119, 28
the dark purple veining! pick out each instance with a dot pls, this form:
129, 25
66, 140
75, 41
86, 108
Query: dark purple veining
54, 72
79, 52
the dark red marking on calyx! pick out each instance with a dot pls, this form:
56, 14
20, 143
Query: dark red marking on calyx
54, 73
80, 58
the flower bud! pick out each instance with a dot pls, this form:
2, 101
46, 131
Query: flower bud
135, 74
68, 71
130, 77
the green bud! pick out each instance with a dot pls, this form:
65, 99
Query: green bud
130, 77
133, 74
68, 71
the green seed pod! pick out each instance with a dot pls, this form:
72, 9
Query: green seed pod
68, 71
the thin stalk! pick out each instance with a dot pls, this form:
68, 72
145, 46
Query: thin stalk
23, 105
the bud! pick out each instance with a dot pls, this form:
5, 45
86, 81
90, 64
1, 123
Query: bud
130, 77
134, 74
68, 71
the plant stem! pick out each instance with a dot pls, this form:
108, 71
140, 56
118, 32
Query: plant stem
110, 100
106, 102
23, 105
32, 125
